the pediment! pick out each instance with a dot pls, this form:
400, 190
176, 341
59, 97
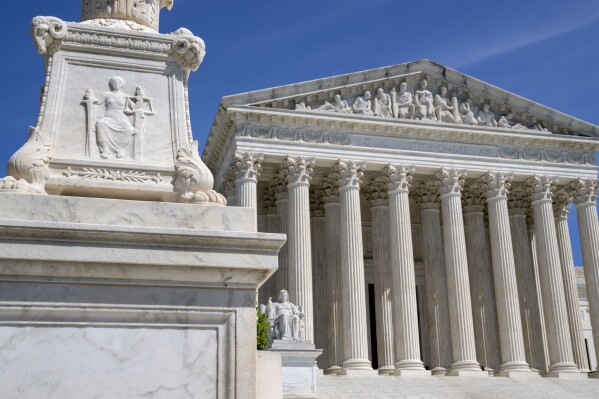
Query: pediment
466, 100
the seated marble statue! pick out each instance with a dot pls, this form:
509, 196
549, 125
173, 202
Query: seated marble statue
363, 105
403, 102
302, 107
285, 318
338, 105
486, 117
382, 104
537, 126
423, 98
466, 114
443, 111
504, 122
114, 131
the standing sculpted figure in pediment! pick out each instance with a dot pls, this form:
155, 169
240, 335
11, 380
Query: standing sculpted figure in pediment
424, 102
382, 104
403, 102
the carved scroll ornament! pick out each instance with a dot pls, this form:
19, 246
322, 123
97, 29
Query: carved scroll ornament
45, 30
189, 49
194, 180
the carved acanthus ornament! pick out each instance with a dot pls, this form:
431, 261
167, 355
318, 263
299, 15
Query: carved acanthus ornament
428, 194
562, 200
28, 168
128, 176
227, 187
45, 30
270, 199
300, 169
399, 177
474, 197
145, 13
189, 49
541, 187
350, 173
330, 186
496, 184
279, 183
451, 180
584, 190
518, 200
377, 191
316, 201
248, 166
194, 180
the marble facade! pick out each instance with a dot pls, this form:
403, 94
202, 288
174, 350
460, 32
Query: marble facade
444, 195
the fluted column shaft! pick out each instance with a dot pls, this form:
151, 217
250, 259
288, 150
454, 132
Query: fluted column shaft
482, 290
561, 206
504, 275
458, 285
585, 196
436, 288
403, 289
332, 275
282, 274
550, 275
317, 225
382, 286
530, 309
269, 288
352, 269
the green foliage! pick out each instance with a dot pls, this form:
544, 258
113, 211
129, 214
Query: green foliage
262, 331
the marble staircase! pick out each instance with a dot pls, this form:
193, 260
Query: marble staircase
386, 387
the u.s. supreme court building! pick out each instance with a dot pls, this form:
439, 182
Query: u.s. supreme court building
426, 217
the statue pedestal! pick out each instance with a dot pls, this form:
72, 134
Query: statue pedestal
299, 368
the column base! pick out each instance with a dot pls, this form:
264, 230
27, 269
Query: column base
411, 373
567, 375
523, 374
386, 370
467, 368
358, 373
333, 370
439, 371
467, 373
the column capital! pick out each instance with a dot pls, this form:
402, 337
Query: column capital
474, 197
270, 199
376, 192
350, 173
518, 200
279, 182
496, 184
330, 187
248, 166
317, 201
541, 187
300, 169
227, 187
399, 177
584, 191
428, 194
561, 204
451, 180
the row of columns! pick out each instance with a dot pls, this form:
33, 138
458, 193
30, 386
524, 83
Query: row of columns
503, 300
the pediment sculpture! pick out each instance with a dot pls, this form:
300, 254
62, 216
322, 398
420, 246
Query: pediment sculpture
285, 318
421, 104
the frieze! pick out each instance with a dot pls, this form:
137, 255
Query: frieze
115, 40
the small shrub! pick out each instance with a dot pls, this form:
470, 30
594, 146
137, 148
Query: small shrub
262, 331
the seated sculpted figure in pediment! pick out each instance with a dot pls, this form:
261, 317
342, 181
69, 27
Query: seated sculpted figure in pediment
403, 102
338, 105
486, 117
363, 105
467, 113
285, 318
443, 110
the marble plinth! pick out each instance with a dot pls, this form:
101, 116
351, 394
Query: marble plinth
299, 368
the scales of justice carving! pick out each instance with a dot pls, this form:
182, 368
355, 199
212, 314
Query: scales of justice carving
285, 318
421, 104
116, 122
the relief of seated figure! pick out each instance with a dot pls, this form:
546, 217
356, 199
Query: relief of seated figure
443, 111
114, 131
424, 102
466, 114
403, 102
302, 107
338, 105
486, 117
285, 318
382, 104
363, 105
504, 122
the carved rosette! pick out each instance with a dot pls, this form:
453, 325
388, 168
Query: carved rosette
189, 50
194, 180
496, 184
300, 169
399, 177
474, 197
561, 204
518, 200
377, 191
428, 194
584, 191
28, 168
350, 173
248, 166
451, 180
143, 12
541, 187
46, 30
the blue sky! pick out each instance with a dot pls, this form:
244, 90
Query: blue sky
543, 50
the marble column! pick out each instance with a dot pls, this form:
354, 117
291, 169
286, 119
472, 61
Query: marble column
427, 196
353, 301
513, 357
318, 237
300, 172
561, 209
269, 288
531, 314
585, 197
332, 275
458, 284
247, 170
282, 203
552, 286
403, 280
377, 195
480, 273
